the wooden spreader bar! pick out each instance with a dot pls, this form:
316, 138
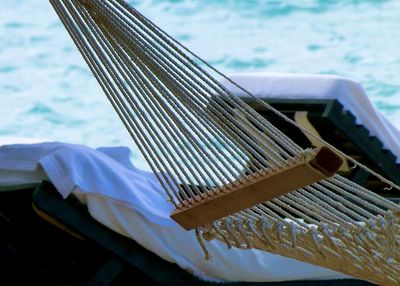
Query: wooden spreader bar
297, 174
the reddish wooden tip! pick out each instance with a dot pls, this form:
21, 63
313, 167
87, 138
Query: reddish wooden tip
327, 161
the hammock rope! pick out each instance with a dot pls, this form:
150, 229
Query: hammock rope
202, 143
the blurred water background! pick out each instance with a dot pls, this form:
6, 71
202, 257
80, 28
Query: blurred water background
47, 91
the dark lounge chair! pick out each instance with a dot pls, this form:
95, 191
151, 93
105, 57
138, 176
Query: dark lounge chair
107, 258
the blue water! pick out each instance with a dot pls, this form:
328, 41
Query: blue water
47, 91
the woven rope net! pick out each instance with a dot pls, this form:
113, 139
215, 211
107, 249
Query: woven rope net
201, 141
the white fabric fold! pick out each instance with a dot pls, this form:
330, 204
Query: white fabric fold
131, 202
107, 172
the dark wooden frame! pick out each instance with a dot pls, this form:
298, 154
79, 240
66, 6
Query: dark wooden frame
127, 253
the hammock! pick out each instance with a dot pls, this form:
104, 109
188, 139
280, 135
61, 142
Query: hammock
230, 174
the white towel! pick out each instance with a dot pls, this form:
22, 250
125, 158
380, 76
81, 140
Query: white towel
131, 202
302, 86
107, 172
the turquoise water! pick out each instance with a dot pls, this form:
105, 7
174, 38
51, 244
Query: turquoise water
47, 91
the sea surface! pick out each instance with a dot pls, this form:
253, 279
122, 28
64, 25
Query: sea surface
47, 91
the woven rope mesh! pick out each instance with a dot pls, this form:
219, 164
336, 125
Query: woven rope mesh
201, 140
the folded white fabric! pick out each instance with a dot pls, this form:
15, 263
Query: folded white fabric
131, 202
106, 172
302, 86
